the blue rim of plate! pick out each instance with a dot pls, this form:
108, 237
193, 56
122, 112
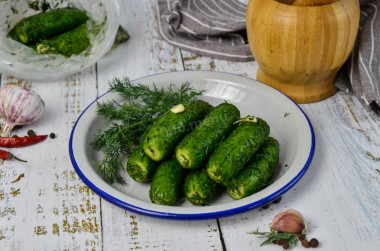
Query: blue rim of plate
198, 216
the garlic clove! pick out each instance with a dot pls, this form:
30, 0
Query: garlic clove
178, 108
19, 106
289, 221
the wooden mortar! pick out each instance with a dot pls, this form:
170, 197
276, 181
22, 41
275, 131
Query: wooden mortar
300, 49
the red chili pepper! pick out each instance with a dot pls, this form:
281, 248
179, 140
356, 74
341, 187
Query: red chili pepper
4, 155
11, 142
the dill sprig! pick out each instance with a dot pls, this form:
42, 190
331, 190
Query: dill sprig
130, 118
273, 236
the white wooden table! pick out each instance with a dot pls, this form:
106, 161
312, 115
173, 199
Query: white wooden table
51, 209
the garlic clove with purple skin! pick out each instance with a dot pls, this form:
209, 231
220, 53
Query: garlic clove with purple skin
19, 106
289, 221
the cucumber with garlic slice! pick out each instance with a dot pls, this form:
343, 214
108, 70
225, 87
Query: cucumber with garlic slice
234, 153
45, 25
140, 167
192, 152
168, 130
256, 175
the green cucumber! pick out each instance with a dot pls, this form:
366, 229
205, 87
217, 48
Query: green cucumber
66, 44
193, 151
234, 153
256, 175
140, 167
167, 184
199, 188
168, 130
45, 25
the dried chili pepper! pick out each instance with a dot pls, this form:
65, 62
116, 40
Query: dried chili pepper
21, 141
4, 155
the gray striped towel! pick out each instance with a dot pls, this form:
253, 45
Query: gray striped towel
216, 28
212, 28
361, 73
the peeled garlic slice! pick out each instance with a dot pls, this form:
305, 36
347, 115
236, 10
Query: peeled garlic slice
177, 109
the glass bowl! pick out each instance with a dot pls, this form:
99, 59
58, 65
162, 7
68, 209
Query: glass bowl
20, 61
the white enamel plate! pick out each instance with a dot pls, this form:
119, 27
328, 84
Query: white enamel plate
288, 124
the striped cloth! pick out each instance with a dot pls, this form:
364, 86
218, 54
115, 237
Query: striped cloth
213, 28
361, 73
216, 28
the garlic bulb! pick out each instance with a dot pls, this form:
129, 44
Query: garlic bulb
19, 106
289, 221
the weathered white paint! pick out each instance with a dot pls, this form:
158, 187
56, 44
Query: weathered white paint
339, 194
52, 208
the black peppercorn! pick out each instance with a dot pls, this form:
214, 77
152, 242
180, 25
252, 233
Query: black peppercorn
285, 245
31, 133
305, 243
314, 243
265, 206
301, 237
52, 135
280, 242
277, 200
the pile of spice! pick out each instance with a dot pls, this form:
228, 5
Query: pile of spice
287, 228
19, 106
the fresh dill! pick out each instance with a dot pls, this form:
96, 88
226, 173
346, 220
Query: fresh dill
274, 236
129, 119
39, 5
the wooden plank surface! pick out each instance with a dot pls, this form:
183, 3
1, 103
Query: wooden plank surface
51, 209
